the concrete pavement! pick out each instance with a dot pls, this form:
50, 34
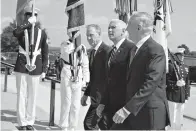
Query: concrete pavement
8, 107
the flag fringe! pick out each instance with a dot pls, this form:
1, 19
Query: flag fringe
74, 5
74, 29
122, 7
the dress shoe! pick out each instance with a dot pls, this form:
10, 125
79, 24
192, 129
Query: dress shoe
29, 127
22, 128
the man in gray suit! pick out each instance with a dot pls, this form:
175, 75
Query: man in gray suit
146, 106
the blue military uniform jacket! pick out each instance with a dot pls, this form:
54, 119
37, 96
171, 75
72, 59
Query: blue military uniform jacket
41, 60
175, 93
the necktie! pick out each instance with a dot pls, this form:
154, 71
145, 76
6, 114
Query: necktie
92, 56
112, 54
132, 54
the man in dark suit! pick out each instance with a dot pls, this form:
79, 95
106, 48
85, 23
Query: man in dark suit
95, 88
146, 106
31, 63
117, 67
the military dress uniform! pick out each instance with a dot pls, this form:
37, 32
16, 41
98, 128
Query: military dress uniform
27, 77
177, 95
74, 75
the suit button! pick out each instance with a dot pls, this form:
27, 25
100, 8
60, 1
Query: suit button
109, 80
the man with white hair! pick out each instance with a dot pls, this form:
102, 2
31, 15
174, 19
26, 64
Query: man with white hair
146, 106
117, 66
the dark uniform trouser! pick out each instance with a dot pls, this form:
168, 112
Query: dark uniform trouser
93, 122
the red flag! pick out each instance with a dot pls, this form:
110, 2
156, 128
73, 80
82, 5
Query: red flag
75, 11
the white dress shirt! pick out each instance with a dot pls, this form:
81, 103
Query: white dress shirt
141, 42
119, 43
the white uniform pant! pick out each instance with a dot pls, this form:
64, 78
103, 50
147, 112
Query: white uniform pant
26, 98
70, 103
176, 111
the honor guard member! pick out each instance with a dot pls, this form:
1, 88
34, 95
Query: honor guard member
74, 75
32, 61
178, 89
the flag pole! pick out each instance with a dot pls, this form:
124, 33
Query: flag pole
32, 32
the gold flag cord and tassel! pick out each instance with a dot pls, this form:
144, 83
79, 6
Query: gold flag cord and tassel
124, 8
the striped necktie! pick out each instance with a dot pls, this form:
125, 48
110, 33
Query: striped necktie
112, 54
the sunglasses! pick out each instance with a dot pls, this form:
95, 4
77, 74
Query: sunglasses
30, 14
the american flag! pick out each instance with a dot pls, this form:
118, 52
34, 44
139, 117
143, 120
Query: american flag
162, 24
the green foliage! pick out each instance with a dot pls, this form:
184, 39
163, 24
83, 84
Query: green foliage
193, 53
187, 50
9, 43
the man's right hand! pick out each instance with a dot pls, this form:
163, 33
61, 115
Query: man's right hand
180, 83
83, 100
32, 19
100, 109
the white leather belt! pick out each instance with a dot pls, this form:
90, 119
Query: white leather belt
22, 51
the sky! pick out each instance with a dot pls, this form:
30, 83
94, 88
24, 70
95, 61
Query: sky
54, 19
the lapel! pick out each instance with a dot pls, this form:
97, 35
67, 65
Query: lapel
138, 54
99, 50
119, 52
97, 53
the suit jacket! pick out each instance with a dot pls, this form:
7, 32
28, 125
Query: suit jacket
175, 93
41, 61
98, 72
114, 95
145, 94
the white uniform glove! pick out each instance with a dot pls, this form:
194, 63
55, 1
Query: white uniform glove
180, 83
84, 84
43, 75
32, 20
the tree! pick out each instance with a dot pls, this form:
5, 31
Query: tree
193, 53
187, 50
9, 43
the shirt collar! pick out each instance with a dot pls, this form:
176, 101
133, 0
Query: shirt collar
119, 43
142, 41
98, 45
